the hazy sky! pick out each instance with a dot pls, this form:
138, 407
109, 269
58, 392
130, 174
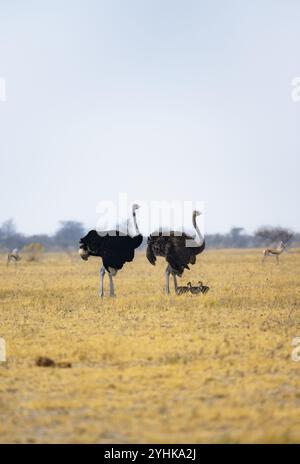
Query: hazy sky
162, 99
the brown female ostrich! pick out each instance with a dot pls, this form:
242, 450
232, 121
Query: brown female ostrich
179, 249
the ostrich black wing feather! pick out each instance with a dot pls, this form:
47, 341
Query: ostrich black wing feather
114, 247
150, 254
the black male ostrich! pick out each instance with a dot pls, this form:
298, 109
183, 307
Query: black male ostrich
114, 247
179, 249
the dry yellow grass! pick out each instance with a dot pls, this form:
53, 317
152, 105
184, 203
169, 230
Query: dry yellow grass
148, 367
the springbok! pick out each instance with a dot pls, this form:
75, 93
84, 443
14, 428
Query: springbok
275, 252
13, 256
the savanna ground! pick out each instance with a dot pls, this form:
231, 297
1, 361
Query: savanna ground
147, 367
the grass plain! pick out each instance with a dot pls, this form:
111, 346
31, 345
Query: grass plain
147, 367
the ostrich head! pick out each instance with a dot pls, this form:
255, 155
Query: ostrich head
196, 213
84, 254
135, 206
83, 251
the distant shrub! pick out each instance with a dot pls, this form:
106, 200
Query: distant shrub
33, 251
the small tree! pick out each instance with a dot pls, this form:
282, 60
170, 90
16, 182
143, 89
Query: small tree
236, 238
9, 237
68, 234
270, 235
33, 251
8, 229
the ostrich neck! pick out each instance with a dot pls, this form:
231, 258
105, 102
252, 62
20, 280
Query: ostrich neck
135, 223
200, 236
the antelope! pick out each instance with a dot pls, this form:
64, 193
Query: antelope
275, 252
13, 256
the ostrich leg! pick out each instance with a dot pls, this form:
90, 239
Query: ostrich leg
167, 274
111, 286
175, 282
102, 272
